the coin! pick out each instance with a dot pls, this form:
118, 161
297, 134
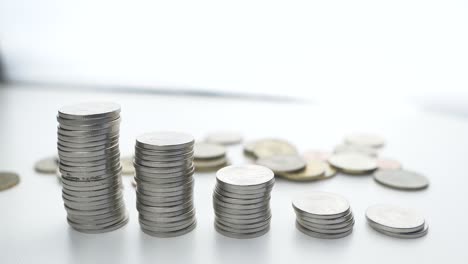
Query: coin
8, 180
89, 110
321, 205
283, 163
314, 170
165, 141
388, 164
210, 165
359, 149
208, 151
401, 179
364, 139
329, 172
353, 163
410, 235
47, 165
245, 175
395, 219
271, 147
127, 165
224, 138
322, 235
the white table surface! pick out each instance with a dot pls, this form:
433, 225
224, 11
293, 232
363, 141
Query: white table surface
33, 227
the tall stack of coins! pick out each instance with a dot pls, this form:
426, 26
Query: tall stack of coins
88, 149
323, 215
164, 168
241, 200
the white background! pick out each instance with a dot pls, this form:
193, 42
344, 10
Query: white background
358, 50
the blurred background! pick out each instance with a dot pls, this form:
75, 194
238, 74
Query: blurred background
329, 51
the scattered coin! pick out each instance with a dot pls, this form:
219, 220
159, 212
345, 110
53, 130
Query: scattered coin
210, 165
47, 165
396, 221
348, 148
224, 138
243, 217
208, 151
329, 171
271, 147
316, 154
8, 180
353, 163
363, 139
323, 215
401, 179
127, 165
388, 164
249, 148
89, 167
314, 170
283, 163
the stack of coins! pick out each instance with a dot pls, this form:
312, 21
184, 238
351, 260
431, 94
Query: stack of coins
88, 148
396, 221
323, 215
164, 168
241, 200
209, 156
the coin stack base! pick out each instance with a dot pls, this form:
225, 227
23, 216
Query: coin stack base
323, 215
164, 168
89, 166
241, 201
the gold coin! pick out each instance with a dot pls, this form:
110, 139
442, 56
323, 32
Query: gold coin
271, 147
314, 170
8, 180
210, 165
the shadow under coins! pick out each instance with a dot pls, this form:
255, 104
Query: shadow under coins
97, 248
254, 250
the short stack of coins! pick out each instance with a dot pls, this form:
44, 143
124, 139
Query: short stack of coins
323, 215
89, 164
164, 169
241, 200
396, 221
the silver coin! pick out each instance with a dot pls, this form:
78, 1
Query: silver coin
328, 231
83, 145
87, 121
226, 210
100, 139
165, 140
165, 158
353, 163
89, 110
241, 206
239, 201
208, 151
238, 221
364, 139
325, 221
410, 235
170, 234
158, 227
102, 230
171, 209
8, 180
245, 175
224, 138
395, 219
47, 165
347, 148
244, 235
163, 171
243, 226
326, 226
321, 205
245, 217
83, 154
170, 153
87, 149
401, 179
322, 235
165, 164
89, 127
257, 193
183, 216
283, 163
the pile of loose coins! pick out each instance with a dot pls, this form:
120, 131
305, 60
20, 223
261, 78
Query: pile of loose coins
209, 156
88, 148
396, 221
323, 215
164, 169
241, 201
